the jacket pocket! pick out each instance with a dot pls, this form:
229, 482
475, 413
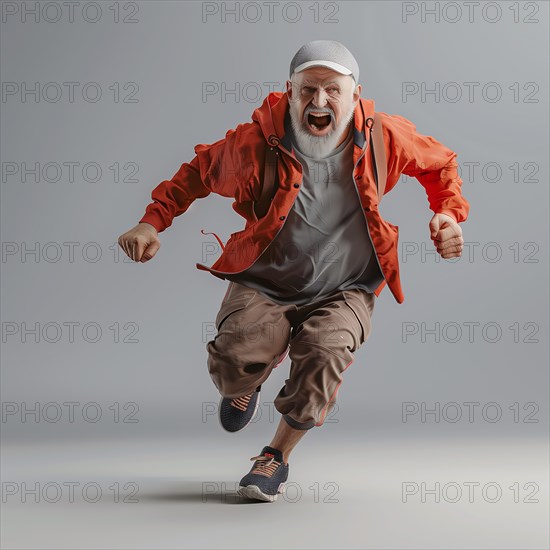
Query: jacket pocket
238, 234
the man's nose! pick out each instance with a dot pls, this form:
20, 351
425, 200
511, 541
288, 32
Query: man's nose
320, 98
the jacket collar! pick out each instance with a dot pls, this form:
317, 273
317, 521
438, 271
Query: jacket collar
274, 119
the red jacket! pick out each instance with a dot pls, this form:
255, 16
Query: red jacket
233, 167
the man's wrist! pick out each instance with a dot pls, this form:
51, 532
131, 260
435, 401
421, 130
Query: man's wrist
150, 225
448, 213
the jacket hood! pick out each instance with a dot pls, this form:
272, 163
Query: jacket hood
273, 116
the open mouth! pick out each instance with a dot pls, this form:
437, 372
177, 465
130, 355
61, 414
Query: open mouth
319, 121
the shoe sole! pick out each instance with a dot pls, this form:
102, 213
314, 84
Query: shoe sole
251, 418
254, 492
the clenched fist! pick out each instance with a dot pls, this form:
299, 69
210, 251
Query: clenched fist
446, 235
141, 243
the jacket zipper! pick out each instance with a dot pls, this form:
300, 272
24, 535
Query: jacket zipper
363, 210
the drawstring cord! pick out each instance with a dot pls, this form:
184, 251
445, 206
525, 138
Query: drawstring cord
219, 240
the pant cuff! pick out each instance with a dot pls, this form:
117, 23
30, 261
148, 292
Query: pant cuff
298, 425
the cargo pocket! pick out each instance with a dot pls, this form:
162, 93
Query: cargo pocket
361, 304
236, 298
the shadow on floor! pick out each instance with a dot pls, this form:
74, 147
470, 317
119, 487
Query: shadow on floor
206, 492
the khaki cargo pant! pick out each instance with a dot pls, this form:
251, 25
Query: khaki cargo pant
253, 332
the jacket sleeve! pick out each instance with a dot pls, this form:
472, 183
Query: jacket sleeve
211, 170
429, 161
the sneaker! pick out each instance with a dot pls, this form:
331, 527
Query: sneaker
237, 413
266, 478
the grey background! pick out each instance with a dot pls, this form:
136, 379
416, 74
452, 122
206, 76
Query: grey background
366, 449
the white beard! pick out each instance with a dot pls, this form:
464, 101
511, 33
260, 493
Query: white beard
318, 147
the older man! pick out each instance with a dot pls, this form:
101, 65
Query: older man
305, 274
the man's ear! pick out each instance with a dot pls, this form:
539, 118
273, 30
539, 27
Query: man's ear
289, 88
357, 93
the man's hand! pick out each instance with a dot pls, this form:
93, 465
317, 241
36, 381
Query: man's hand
141, 243
446, 235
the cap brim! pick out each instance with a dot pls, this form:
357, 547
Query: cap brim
320, 63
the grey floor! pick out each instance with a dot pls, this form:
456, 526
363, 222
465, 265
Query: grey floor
343, 493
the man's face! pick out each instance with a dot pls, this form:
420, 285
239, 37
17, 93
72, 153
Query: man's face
321, 103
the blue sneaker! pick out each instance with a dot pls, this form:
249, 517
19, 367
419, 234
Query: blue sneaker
235, 414
267, 477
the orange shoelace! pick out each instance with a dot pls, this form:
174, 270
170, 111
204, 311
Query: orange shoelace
241, 403
266, 466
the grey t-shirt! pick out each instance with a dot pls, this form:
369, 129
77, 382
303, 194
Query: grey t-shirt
324, 245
